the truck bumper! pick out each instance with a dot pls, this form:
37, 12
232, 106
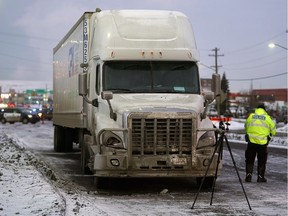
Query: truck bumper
149, 166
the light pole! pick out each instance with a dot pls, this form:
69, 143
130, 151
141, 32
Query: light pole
272, 45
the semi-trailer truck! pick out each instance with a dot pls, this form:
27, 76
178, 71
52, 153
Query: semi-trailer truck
127, 89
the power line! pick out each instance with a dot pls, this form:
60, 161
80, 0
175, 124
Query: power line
24, 59
256, 66
209, 67
8, 70
28, 36
258, 44
23, 45
259, 78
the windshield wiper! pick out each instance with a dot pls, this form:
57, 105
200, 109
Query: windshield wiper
178, 67
120, 90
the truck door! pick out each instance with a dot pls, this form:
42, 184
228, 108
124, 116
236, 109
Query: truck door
93, 93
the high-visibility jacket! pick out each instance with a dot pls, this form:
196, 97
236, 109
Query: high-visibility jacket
260, 127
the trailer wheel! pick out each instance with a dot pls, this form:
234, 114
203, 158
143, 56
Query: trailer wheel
59, 139
208, 182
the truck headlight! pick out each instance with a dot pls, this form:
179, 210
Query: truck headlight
206, 140
30, 116
112, 140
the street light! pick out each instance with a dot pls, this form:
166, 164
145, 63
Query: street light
272, 45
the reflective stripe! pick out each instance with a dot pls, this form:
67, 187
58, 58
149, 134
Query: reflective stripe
258, 140
257, 137
259, 119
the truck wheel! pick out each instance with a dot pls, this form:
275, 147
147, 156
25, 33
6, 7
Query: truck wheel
98, 182
84, 160
3, 120
68, 139
208, 182
85, 156
59, 139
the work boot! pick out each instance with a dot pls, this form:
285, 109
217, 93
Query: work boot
261, 173
261, 179
249, 171
248, 177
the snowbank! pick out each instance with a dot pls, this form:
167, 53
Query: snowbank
19, 178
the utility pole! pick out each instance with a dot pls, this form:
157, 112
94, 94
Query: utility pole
216, 55
216, 59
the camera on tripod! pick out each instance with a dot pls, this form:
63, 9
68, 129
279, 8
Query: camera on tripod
224, 124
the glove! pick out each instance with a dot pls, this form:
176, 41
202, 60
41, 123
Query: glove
268, 139
247, 138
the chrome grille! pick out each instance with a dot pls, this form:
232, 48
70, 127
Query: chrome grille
161, 136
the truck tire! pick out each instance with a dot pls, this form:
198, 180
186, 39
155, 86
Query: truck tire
85, 156
59, 138
63, 139
68, 139
84, 160
3, 120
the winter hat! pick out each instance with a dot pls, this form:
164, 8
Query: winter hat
261, 106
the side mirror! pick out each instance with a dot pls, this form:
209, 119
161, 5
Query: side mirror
82, 84
107, 95
209, 97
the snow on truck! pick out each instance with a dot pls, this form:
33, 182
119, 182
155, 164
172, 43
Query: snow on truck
127, 90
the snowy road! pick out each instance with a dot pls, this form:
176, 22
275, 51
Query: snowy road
24, 191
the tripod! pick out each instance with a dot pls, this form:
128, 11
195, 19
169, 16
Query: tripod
219, 144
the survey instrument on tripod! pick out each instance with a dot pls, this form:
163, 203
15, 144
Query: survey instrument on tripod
221, 137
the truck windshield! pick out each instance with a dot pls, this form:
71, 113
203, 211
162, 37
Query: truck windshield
151, 77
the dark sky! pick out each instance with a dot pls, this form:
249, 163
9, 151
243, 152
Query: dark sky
241, 29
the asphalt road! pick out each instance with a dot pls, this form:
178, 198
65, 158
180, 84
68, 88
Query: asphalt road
228, 199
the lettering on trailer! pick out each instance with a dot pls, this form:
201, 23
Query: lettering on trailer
71, 61
85, 41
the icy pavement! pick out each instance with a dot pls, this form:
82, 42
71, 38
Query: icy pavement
25, 191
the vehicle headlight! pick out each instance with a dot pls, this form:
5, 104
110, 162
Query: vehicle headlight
206, 140
29, 116
112, 140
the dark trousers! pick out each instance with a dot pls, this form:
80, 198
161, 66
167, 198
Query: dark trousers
259, 150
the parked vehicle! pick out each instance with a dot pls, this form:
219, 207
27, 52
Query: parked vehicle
45, 114
13, 115
130, 95
282, 117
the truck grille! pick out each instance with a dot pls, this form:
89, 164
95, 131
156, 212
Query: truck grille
161, 136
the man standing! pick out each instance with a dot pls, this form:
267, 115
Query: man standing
259, 129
